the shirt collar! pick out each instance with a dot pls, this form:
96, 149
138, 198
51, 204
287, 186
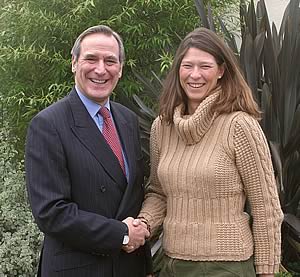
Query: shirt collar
91, 106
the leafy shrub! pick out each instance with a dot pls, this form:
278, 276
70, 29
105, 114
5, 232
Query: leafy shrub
37, 35
19, 236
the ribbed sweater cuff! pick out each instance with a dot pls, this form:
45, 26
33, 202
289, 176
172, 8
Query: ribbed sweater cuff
267, 269
147, 216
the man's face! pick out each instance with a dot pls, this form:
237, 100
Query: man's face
98, 67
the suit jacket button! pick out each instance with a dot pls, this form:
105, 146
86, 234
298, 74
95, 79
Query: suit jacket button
103, 188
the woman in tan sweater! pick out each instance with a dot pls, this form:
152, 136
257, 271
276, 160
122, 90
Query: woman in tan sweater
208, 156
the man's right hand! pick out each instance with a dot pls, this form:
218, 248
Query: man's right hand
138, 234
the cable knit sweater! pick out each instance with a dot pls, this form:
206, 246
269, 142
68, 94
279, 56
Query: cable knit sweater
203, 168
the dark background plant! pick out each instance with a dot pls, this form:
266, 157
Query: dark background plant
269, 60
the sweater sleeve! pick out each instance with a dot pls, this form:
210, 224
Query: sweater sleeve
254, 164
154, 206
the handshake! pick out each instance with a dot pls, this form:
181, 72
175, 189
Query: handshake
138, 232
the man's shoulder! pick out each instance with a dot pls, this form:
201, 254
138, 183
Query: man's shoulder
58, 109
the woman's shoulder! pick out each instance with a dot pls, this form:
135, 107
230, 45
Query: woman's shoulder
239, 122
240, 118
244, 125
159, 123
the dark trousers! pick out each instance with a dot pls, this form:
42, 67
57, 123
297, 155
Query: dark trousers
181, 268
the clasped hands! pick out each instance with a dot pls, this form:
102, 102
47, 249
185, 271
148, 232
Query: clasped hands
138, 233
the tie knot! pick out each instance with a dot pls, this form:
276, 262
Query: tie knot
104, 112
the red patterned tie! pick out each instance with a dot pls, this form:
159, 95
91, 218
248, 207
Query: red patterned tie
110, 134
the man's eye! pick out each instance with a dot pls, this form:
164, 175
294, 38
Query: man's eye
91, 60
111, 62
186, 66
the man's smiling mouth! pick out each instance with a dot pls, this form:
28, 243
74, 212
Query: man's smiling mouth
98, 81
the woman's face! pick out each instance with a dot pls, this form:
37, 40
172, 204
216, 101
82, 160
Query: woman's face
198, 74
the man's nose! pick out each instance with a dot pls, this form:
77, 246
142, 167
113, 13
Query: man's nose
100, 67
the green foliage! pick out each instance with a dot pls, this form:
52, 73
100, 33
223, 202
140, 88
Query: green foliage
37, 35
283, 274
19, 236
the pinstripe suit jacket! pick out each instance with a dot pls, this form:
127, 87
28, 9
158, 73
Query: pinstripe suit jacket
78, 193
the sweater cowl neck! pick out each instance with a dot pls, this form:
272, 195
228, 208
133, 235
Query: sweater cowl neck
191, 128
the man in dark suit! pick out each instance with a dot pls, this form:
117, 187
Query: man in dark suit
83, 195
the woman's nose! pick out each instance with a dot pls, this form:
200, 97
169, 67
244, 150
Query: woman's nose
196, 73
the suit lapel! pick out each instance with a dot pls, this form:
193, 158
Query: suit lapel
126, 135
87, 132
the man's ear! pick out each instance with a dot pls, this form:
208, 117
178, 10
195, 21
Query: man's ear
74, 64
120, 72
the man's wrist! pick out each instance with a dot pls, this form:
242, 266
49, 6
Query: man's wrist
126, 236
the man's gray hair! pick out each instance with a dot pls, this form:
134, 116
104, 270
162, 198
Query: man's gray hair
101, 29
